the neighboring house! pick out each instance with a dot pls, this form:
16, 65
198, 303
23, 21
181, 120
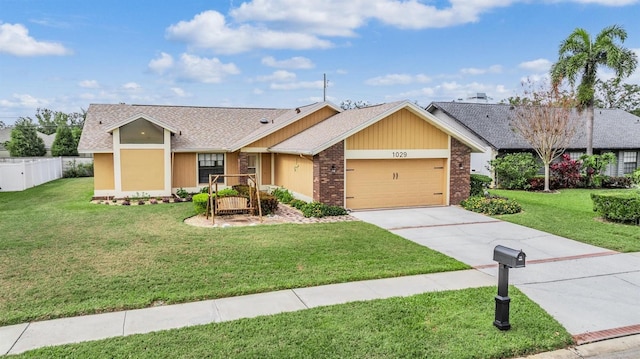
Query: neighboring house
5, 135
388, 155
614, 131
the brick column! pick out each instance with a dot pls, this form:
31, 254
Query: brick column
328, 187
243, 164
460, 172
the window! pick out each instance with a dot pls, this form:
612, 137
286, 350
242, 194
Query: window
630, 160
210, 164
141, 132
252, 163
575, 155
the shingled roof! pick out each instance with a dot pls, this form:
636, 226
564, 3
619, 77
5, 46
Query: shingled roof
196, 128
613, 128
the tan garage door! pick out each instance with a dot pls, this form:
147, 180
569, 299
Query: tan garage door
395, 183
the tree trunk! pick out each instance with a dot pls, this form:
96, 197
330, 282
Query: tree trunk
590, 116
546, 177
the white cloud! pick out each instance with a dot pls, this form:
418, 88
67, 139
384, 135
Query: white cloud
342, 18
297, 85
397, 79
494, 69
208, 30
131, 86
24, 101
297, 62
192, 68
538, 65
89, 84
278, 76
15, 40
608, 2
202, 69
453, 91
161, 64
180, 92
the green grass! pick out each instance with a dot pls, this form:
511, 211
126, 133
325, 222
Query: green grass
455, 324
570, 214
62, 256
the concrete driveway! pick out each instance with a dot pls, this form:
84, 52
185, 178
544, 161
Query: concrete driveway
593, 292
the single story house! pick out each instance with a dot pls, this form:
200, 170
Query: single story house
614, 131
5, 135
388, 155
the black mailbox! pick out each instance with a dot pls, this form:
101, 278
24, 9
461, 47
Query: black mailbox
510, 257
507, 258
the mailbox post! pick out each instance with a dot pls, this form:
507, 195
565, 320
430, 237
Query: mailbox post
506, 258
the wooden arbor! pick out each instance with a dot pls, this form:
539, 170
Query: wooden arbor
233, 204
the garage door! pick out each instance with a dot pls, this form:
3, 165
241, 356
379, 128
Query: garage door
395, 183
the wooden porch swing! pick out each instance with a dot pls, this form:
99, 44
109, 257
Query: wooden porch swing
233, 204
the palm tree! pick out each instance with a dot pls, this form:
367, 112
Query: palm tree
579, 56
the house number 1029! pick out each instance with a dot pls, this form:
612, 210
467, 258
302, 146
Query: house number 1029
399, 154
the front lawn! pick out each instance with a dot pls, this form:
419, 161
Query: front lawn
454, 324
570, 214
62, 256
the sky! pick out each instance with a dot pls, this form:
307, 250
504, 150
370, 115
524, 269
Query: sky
66, 54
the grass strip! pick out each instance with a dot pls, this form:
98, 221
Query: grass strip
452, 324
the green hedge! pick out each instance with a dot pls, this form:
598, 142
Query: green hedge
319, 210
618, 207
479, 183
491, 206
200, 202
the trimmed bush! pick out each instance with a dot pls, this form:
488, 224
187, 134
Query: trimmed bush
332, 211
297, 203
78, 170
479, 183
618, 207
514, 170
268, 203
242, 189
491, 206
227, 192
200, 201
282, 194
319, 210
616, 182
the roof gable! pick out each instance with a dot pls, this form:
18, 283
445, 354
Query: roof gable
143, 117
345, 124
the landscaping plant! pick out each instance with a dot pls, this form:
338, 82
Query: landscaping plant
514, 170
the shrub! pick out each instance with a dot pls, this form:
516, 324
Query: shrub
492, 205
514, 170
243, 189
182, 193
635, 177
618, 207
593, 165
319, 210
268, 203
78, 170
479, 183
567, 172
282, 194
200, 201
297, 203
227, 192
616, 182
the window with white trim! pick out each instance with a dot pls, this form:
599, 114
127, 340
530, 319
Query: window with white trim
575, 155
210, 164
630, 161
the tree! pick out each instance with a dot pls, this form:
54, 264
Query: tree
64, 144
350, 105
615, 94
24, 140
580, 56
546, 120
2, 125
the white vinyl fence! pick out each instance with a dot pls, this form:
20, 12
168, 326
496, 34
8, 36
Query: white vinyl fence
18, 174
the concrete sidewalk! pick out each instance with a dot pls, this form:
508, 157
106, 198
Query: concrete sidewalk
22, 337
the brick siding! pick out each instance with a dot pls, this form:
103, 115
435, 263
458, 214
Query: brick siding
328, 187
460, 180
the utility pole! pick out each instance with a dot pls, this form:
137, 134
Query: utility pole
324, 88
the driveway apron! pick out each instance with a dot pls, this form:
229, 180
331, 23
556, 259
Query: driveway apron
593, 292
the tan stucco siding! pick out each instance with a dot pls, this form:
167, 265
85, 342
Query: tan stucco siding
294, 173
265, 173
294, 128
400, 130
142, 170
184, 170
232, 167
103, 176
